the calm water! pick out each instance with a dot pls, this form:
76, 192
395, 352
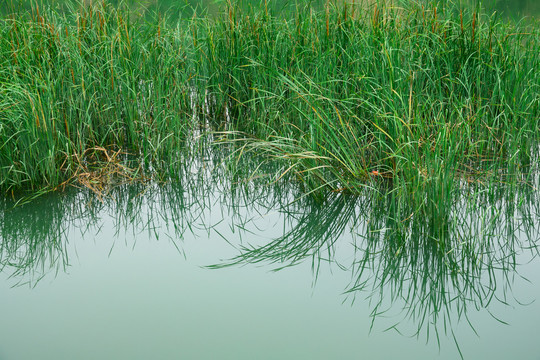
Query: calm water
135, 277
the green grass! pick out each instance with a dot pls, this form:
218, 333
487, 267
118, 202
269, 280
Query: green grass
429, 97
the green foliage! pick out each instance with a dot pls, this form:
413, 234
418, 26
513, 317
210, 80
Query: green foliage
415, 100
93, 80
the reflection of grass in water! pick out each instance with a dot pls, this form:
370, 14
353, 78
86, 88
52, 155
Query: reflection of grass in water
439, 270
32, 237
436, 273
33, 234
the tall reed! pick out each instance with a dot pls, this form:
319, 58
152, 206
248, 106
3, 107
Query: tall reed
417, 99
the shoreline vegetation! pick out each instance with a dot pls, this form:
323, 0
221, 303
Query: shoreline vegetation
417, 100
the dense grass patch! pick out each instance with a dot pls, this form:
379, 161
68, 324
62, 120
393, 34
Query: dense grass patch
417, 100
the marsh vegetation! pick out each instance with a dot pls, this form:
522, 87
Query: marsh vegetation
409, 129
417, 103
426, 96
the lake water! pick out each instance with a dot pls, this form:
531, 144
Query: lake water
188, 271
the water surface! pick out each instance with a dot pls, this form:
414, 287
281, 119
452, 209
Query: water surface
182, 272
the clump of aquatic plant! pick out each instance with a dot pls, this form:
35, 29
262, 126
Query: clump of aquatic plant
415, 93
92, 79
417, 100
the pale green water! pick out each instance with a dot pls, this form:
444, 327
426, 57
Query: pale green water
136, 286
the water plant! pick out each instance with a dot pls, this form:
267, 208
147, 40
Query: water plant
426, 96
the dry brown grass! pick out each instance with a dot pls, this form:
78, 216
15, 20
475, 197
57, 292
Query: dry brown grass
100, 170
